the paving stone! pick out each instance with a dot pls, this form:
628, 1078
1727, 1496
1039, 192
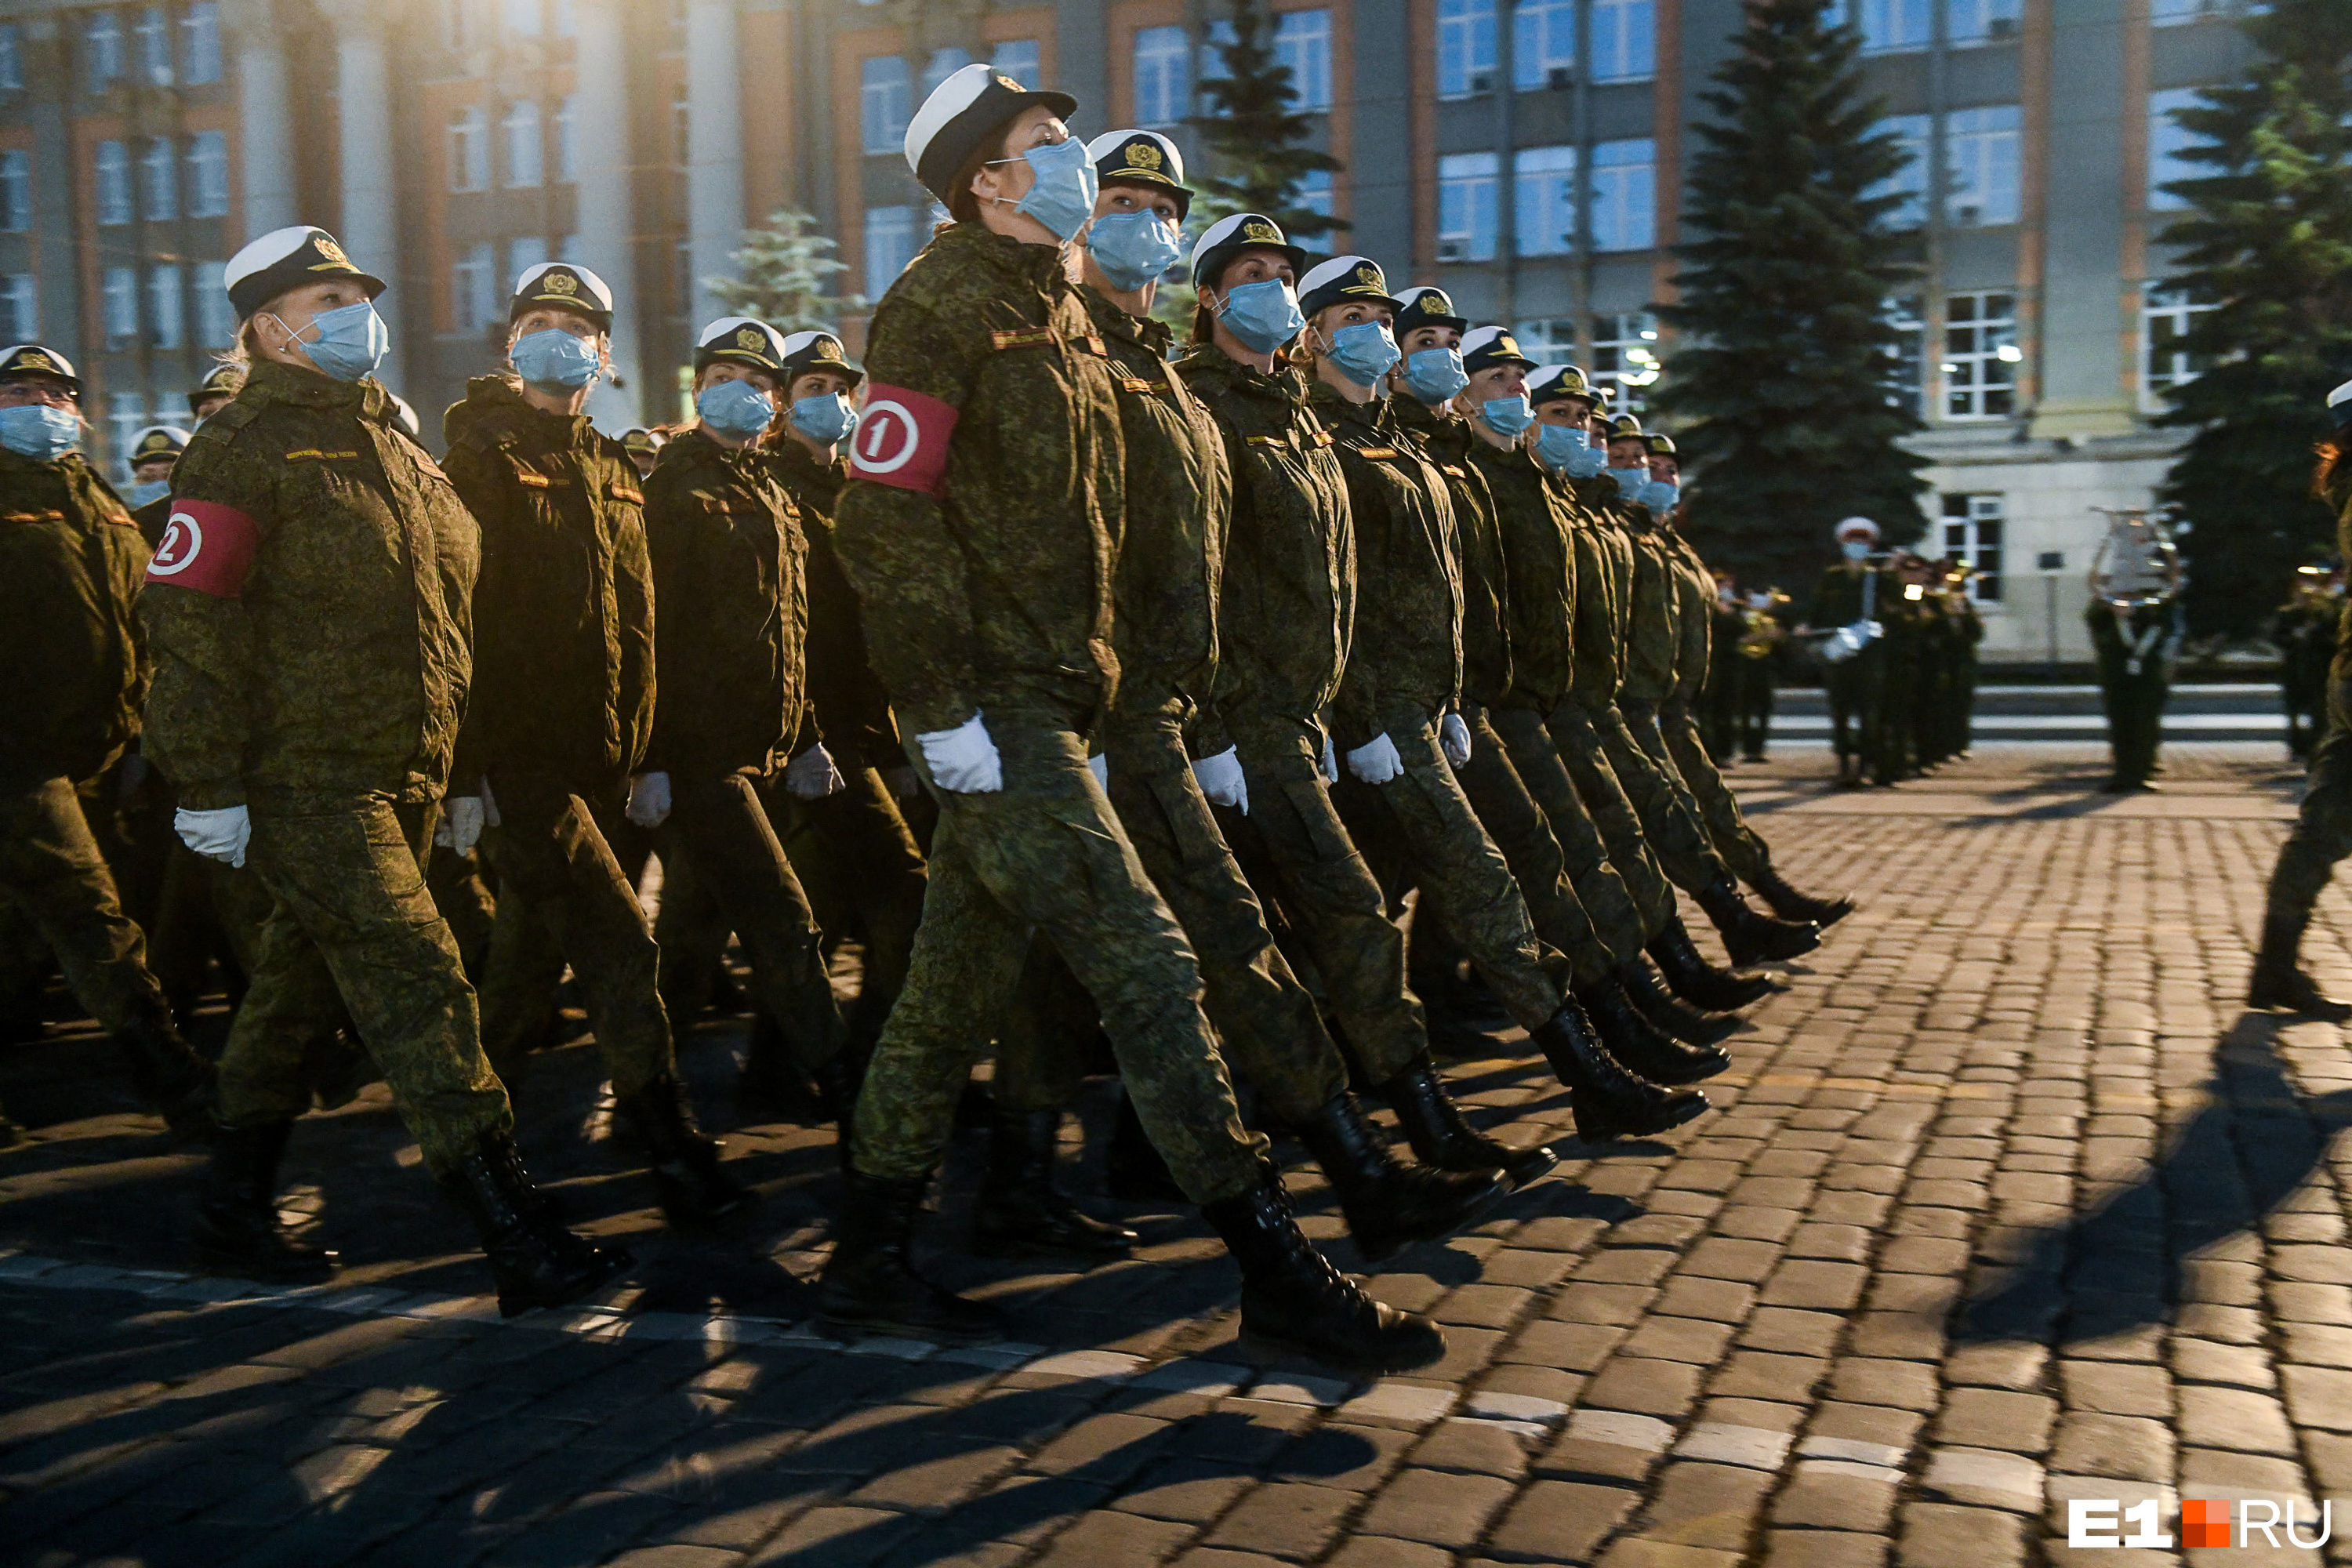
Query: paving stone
2130, 1447
1561, 1522
1994, 1418
1939, 1535
1825, 1549
1285, 1520
1712, 1506
1436, 1507
2234, 1418
1646, 1388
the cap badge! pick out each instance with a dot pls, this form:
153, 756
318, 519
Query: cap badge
827, 348
1437, 302
999, 79
1368, 275
37, 362
1259, 229
1506, 344
1143, 155
324, 244
561, 283
750, 338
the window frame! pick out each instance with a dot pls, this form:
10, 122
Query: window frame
1632, 52
1623, 180
1985, 384
890, 98
469, 150
1459, 191
522, 129
1302, 40
1962, 532
112, 182
1165, 104
1463, 71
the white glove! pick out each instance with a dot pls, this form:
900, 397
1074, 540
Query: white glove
812, 776
963, 760
1454, 736
1221, 779
1330, 759
1099, 765
905, 783
215, 835
465, 816
648, 800
1376, 761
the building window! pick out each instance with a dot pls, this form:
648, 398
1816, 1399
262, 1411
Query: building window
1551, 340
2168, 143
1020, 59
1163, 88
20, 299
1465, 206
118, 300
1302, 40
200, 50
113, 182
153, 35
1624, 194
12, 59
567, 140
101, 42
524, 146
2166, 316
889, 245
520, 18
469, 152
1980, 356
208, 174
1981, 21
1544, 192
1543, 44
1909, 181
1907, 372
1972, 537
2171, 13
1316, 192
1625, 355
1218, 35
474, 288
15, 192
882, 101
1982, 149
216, 319
126, 415
164, 302
159, 181
1624, 40
1888, 25
943, 63
1465, 47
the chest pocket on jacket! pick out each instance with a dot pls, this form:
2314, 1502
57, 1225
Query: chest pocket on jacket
746, 548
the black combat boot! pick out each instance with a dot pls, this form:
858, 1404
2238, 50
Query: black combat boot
1133, 1170
1667, 1013
237, 1225
2280, 983
535, 1260
1644, 1051
169, 1076
1751, 938
869, 1285
1389, 1206
1610, 1101
693, 1185
1793, 905
1696, 981
1020, 1210
1433, 1124
1293, 1300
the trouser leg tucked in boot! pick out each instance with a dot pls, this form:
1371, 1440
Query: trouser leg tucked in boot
1751, 938
1389, 1206
870, 1286
237, 1225
1020, 1209
1792, 905
694, 1186
1669, 1014
1648, 1052
1433, 1125
1610, 1101
535, 1260
1696, 981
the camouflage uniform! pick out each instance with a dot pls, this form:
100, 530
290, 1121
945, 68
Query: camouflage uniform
2322, 827
319, 682
1287, 614
1683, 751
559, 715
730, 576
984, 553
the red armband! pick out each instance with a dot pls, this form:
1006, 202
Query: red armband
206, 546
902, 440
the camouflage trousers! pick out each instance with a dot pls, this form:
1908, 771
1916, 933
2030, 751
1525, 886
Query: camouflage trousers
2322, 825
52, 871
1312, 870
350, 916
1561, 760
554, 867
719, 839
1270, 1028
1594, 943
1684, 754
1670, 820
1046, 853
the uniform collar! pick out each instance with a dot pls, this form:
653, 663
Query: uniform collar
695, 446
499, 395
1374, 418
1147, 332
1285, 385
63, 465
795, 458
271, 382
1040, 265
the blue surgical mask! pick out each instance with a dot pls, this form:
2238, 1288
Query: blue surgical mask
556, 361
1364, 352
1855, 548
1564, 449
825, 419
37, 430
352, 341
1132, 248
147, 492
736, 409
1630, 481
1262, 315
1507, 415
1063, 188
1659, 496
1435, 375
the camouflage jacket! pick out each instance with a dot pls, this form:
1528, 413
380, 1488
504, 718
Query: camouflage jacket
1486, 580
564, 610
980, 524
70, 561
1653, 644
1533, 519
1289, 608
309, 606
1696, 611
1604, 609
1404, 666
1179, 504
730, 581
852, 706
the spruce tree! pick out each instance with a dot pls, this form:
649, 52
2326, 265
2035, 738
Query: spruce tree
1255, 138
2268, 234
1782, 390
782, 273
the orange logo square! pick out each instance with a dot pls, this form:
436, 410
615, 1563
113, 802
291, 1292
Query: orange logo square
2204, 1521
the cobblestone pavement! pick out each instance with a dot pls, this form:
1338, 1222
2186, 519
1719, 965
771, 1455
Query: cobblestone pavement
2006, 1204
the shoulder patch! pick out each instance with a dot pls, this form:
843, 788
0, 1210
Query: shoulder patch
223, 425
206, 546
902, 440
